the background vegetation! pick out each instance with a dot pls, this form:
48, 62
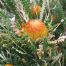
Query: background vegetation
22, 50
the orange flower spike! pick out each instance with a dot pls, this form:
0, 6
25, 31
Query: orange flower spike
9, 65
36, 9
36, 29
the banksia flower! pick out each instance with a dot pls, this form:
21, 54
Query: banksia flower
9, 65
36, 9
35, 29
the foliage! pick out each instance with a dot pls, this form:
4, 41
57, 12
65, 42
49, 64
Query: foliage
22, 50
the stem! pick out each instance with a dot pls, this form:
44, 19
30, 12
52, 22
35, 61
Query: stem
63, 61
59, 62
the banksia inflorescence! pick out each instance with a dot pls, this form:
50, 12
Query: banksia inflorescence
36, 9
36, 29
9, 65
